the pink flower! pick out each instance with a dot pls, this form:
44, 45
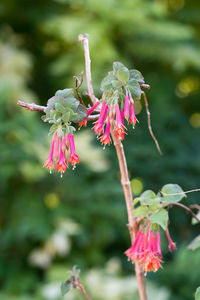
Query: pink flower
146, 250
49, 162
99, 125
61, 165
119, 127
126, 107
57, 146
84, 122
132, 119
105, 138
73, 158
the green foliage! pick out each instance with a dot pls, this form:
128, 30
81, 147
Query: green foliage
62, 109
197, 294
195, 244
172, 189
121, 80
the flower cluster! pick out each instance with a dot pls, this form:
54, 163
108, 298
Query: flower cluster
146, 250
57, 154
112, 115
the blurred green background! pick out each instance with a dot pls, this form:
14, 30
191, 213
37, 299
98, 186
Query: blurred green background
48, 224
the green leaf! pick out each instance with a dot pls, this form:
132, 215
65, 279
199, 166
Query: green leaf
141, 211
197, 294
65, 93
172, 189
137, 75
147, 197
161, 218
135, 89
66, 286
194, 221
123, 75
116, 66
116, 84
81, 114
66, 117
59, 108
195, 244
106, 83
71, 102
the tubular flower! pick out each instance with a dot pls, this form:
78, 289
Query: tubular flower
146, 250
57, 146
105, 138
172, 245
132, 119
84, 122
114, 111
73, 158
99, 125
61, 165
119, 127
126, 107
49, 162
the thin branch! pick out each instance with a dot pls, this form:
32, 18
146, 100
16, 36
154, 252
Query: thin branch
149, 123
78, 84
31, 106
182, 193
145, 86
195, 206
124, 173
187, 209
84, 39
82, 289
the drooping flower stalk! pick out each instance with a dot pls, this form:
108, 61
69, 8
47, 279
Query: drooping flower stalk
99, 125
73, 158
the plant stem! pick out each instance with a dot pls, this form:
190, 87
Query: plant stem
133, 224
123, 170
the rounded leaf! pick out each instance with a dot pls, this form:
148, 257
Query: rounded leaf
172, 189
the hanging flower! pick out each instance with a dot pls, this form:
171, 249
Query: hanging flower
172, 245
84, 122
61, 165
73, 158
105, 138
49, 162
119, 127
146, 250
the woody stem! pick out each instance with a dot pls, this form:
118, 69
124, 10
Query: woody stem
133, 224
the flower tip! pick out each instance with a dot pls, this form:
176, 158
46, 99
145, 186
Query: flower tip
172, 246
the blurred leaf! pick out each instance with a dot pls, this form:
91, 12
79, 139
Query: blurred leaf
141, 211
160, 218
172, 189
66, 286
195, 244
197, 294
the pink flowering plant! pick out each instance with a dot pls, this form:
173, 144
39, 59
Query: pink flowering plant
112, 115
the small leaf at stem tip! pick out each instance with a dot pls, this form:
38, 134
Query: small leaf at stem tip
66, 286
197, 294
194, 221
172, 189
160, 217
195, 244
141, 211
123, 75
